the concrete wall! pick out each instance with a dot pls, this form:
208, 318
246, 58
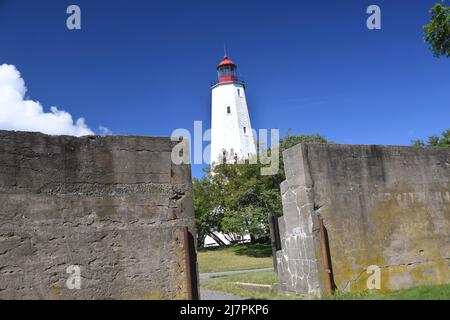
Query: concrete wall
383, 206
114, 206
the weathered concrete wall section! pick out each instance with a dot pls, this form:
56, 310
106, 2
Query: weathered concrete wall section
384, 206
297, 262
114, 206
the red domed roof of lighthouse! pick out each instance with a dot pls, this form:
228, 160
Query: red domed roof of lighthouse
225, 62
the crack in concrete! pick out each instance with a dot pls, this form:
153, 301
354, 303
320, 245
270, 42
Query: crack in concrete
393, 266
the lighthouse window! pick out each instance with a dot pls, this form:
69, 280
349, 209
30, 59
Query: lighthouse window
228, 110
245, 130
239, 92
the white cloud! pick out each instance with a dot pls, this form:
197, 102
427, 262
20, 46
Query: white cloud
105, 131
17, 113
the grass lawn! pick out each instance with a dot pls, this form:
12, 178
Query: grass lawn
441, 292
236, 257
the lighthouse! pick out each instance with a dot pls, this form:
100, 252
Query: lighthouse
231, 131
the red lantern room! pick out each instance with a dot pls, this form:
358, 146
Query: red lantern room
226, 70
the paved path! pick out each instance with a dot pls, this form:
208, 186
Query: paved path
209, 275
207, 294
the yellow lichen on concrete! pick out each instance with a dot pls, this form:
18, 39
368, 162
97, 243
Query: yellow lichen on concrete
390, 224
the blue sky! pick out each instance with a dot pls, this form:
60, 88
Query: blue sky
144, 67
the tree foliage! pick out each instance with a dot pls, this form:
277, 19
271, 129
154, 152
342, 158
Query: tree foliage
437, 32
435, 141
206, 219
237, 199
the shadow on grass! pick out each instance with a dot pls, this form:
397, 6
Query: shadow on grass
250, 250
256, 250
207, 249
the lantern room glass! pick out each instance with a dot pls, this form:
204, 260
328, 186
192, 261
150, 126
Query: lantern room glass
226, 71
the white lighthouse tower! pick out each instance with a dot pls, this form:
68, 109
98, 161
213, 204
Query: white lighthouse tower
231, 130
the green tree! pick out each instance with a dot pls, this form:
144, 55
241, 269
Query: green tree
246, 198
204, 208
437, 32
237, 199
435, 141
